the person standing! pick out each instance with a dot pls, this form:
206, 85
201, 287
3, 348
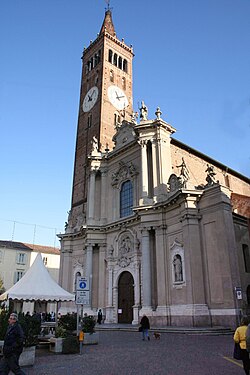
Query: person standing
12, 348
145, 327
99, 317
240, 338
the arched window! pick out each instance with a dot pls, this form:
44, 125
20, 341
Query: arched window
89, 120
98, 56
126, 199
111, 75
120, 63
124, 83
125, 65
78, 274
110, 56
115, 59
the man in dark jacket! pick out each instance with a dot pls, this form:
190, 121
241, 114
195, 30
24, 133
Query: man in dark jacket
145, 327
12, 348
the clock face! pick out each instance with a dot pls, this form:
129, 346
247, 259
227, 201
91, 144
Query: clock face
90, 99
117, 97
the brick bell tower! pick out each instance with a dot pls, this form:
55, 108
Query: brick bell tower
105, 100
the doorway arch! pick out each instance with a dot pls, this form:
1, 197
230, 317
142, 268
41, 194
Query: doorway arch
125, 298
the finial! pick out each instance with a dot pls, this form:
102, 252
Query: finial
108, 4
158, 113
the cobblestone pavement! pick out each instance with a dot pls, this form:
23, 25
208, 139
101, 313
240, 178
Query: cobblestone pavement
125, 353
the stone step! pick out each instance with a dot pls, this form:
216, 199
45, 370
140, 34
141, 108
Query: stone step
168, 329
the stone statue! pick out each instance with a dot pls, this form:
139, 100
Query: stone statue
94, 144
210, 175
177, 263
134, 117
184, 174
143, 111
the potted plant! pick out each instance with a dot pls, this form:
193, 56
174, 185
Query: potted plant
88, 323
31, 326
56, 343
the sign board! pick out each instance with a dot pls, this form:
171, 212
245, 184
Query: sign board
82, 283
238, 292
82, 297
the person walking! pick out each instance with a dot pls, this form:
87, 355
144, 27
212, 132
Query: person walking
240, 338
145, 327
99, 317
12, 348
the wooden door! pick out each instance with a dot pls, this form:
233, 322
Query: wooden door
125, 298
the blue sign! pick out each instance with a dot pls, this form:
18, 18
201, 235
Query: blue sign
82, 283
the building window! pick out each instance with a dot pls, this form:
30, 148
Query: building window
126, 199
110, 56
124, 83
246, 257
18, 275
120, 63
111, 75
78, 274
125, 65
115, 59
21, 258
89, 120
45, 261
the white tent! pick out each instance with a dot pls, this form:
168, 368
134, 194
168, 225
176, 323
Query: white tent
37, 285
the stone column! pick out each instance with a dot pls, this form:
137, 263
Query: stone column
101, 281
89, 265
156, 167
161, 269
104, 194
146, 270
144, 170
91, 197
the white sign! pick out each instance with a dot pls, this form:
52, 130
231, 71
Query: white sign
82, 283
238, 291
82, 297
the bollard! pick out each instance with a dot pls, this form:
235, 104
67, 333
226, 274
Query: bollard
81, 338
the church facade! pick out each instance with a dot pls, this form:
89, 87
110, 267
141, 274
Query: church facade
156, 227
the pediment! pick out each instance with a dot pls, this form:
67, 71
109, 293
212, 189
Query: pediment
125, 134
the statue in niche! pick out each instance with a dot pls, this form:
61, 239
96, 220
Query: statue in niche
210, 175
143, 111
184, 174
178, 272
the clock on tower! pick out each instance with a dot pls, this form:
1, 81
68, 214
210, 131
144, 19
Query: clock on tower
105, 99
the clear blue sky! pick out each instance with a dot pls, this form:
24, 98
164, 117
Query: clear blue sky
192, 58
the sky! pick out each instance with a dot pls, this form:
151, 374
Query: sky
192, 58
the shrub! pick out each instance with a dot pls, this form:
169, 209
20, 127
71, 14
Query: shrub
70, 345
60, 332
88, 324
68, 322
31, 326
4, 316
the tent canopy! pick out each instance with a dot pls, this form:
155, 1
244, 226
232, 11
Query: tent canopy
37, 285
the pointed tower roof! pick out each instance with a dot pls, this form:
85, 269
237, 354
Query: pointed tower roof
108, 23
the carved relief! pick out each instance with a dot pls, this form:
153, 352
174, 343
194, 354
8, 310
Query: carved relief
125, 171
125, 250
173, 183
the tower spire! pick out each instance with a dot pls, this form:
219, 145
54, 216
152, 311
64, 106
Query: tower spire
108, 23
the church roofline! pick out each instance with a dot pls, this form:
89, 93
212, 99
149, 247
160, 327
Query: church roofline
207, 158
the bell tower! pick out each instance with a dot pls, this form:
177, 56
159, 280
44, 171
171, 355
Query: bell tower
105, 100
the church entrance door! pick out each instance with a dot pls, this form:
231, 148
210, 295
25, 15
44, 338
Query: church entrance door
125, 298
